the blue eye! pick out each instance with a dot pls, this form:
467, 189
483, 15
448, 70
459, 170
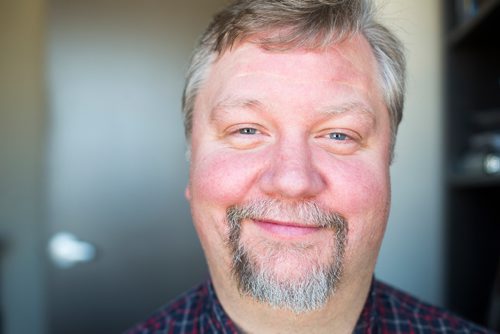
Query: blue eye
247, 131
338, 136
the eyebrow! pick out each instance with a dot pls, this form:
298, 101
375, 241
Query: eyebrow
358, 108
229, 103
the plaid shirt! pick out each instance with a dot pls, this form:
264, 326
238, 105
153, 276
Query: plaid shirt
387, 311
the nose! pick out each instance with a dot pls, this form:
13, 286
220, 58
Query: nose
291, 172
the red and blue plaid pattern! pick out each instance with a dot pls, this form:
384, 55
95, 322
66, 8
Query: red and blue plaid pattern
387, 311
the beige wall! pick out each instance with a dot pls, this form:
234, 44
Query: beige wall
413, 249
21, 125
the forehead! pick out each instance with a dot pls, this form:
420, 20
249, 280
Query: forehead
352, 56
345, 69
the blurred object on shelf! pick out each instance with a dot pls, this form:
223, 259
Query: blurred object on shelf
467, 9
483, 155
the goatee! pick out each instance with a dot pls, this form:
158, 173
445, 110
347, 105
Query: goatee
255, 275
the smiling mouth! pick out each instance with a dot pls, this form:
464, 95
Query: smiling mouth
286, 229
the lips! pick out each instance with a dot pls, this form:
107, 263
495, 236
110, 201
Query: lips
286, 229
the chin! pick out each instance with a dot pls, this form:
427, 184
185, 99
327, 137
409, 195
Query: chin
299, 277
290, 261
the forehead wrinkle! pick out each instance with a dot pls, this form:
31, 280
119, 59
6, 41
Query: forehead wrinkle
295, 79
288, 77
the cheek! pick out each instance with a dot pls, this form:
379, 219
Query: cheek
220, 178
362, 190
363, 195
217, 180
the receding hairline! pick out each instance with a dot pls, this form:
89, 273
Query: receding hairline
293, 23
261, 40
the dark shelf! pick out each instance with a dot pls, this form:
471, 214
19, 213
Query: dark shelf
472, 101
473, 181
487, 119
483, 20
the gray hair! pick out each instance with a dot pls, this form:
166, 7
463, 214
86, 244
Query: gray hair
289, 24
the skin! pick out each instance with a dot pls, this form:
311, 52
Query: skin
294, 126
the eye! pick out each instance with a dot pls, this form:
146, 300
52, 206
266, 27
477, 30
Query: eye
247, 131
338, 136
341, 141
245, 135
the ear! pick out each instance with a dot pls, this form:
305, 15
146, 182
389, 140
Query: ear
187, 193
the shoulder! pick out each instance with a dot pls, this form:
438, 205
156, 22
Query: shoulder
179, 315
402, 313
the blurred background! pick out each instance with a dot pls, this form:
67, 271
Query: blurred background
95, 232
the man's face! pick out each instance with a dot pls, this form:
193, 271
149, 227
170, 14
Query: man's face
295, 147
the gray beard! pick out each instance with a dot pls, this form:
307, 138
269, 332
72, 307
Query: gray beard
307, 293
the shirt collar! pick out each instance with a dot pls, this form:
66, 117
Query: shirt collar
366, 322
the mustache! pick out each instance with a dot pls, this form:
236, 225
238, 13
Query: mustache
307, 213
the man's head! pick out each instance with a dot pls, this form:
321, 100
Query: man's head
291, 108
290, 24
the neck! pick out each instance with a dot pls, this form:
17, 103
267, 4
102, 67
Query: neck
339, 314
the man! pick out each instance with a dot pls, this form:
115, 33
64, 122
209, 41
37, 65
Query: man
291, 111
